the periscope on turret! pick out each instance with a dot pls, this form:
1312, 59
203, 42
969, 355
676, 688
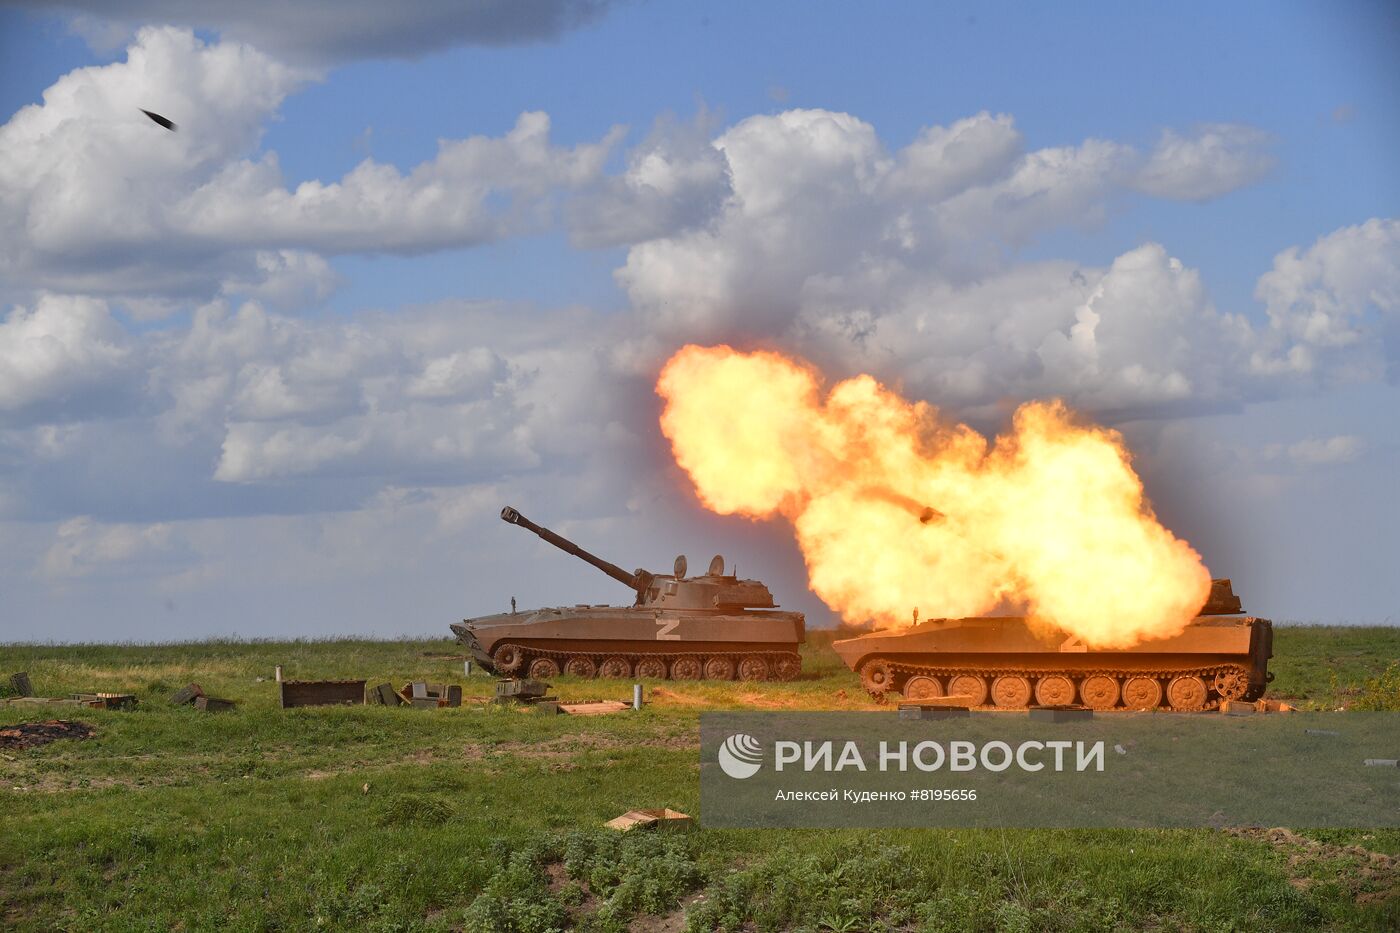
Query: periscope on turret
713, 626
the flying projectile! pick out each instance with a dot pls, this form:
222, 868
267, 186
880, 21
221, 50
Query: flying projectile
168, 124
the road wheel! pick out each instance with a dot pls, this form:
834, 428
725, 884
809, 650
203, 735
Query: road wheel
971, 686
1186, 693
922, 688
1099, 691
580, 666
1231, 684
652, 668
544, 669
877, 676
507, 659
788, 667
719, 669
1054, 690
1011, 691
686, 669
615, 667
753, 668
1142, 693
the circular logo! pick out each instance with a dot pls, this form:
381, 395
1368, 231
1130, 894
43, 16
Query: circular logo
740, 756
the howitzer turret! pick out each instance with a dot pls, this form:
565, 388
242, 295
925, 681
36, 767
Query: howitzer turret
712, 626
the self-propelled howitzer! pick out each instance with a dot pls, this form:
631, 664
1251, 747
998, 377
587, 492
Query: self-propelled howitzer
1006, 662
712, 626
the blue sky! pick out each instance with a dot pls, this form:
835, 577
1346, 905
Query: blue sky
149, 487
1319, 76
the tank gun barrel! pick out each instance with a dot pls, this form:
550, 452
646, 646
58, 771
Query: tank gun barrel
638, 580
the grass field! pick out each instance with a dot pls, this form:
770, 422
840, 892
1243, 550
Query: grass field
488, 818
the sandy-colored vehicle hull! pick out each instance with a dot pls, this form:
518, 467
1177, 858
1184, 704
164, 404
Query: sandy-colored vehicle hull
614, 641
1005, 662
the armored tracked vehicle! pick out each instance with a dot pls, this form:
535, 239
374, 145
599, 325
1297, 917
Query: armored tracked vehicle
712, 627
1002, 662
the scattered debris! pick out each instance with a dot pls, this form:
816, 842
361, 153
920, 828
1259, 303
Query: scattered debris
33, 734
417, 693
322, 692
1120, 749
21, 685
596, 708
194, 695
41, 701
663, 818
430, 696
186, 694
125, 701
520, 691
383, 695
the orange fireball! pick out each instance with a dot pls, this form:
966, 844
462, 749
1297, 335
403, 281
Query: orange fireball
895, 509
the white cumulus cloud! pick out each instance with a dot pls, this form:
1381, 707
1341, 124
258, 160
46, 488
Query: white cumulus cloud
97, 199
62, 358
1324, 301
1208, 161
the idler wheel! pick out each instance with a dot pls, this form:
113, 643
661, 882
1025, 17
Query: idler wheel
686, 669
654, 668
580, 666
615, 667
1011, 691
971, 686
1186, 693
787, 667
1099, 691
876, 676
1232, 684
1142, 693
507, 659
1054, 690
544, 669
753, 668
719, 669
922, 687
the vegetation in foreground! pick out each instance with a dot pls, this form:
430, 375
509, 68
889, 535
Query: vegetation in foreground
488, 818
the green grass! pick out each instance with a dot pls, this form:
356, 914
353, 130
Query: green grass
488, 818
1330, 666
